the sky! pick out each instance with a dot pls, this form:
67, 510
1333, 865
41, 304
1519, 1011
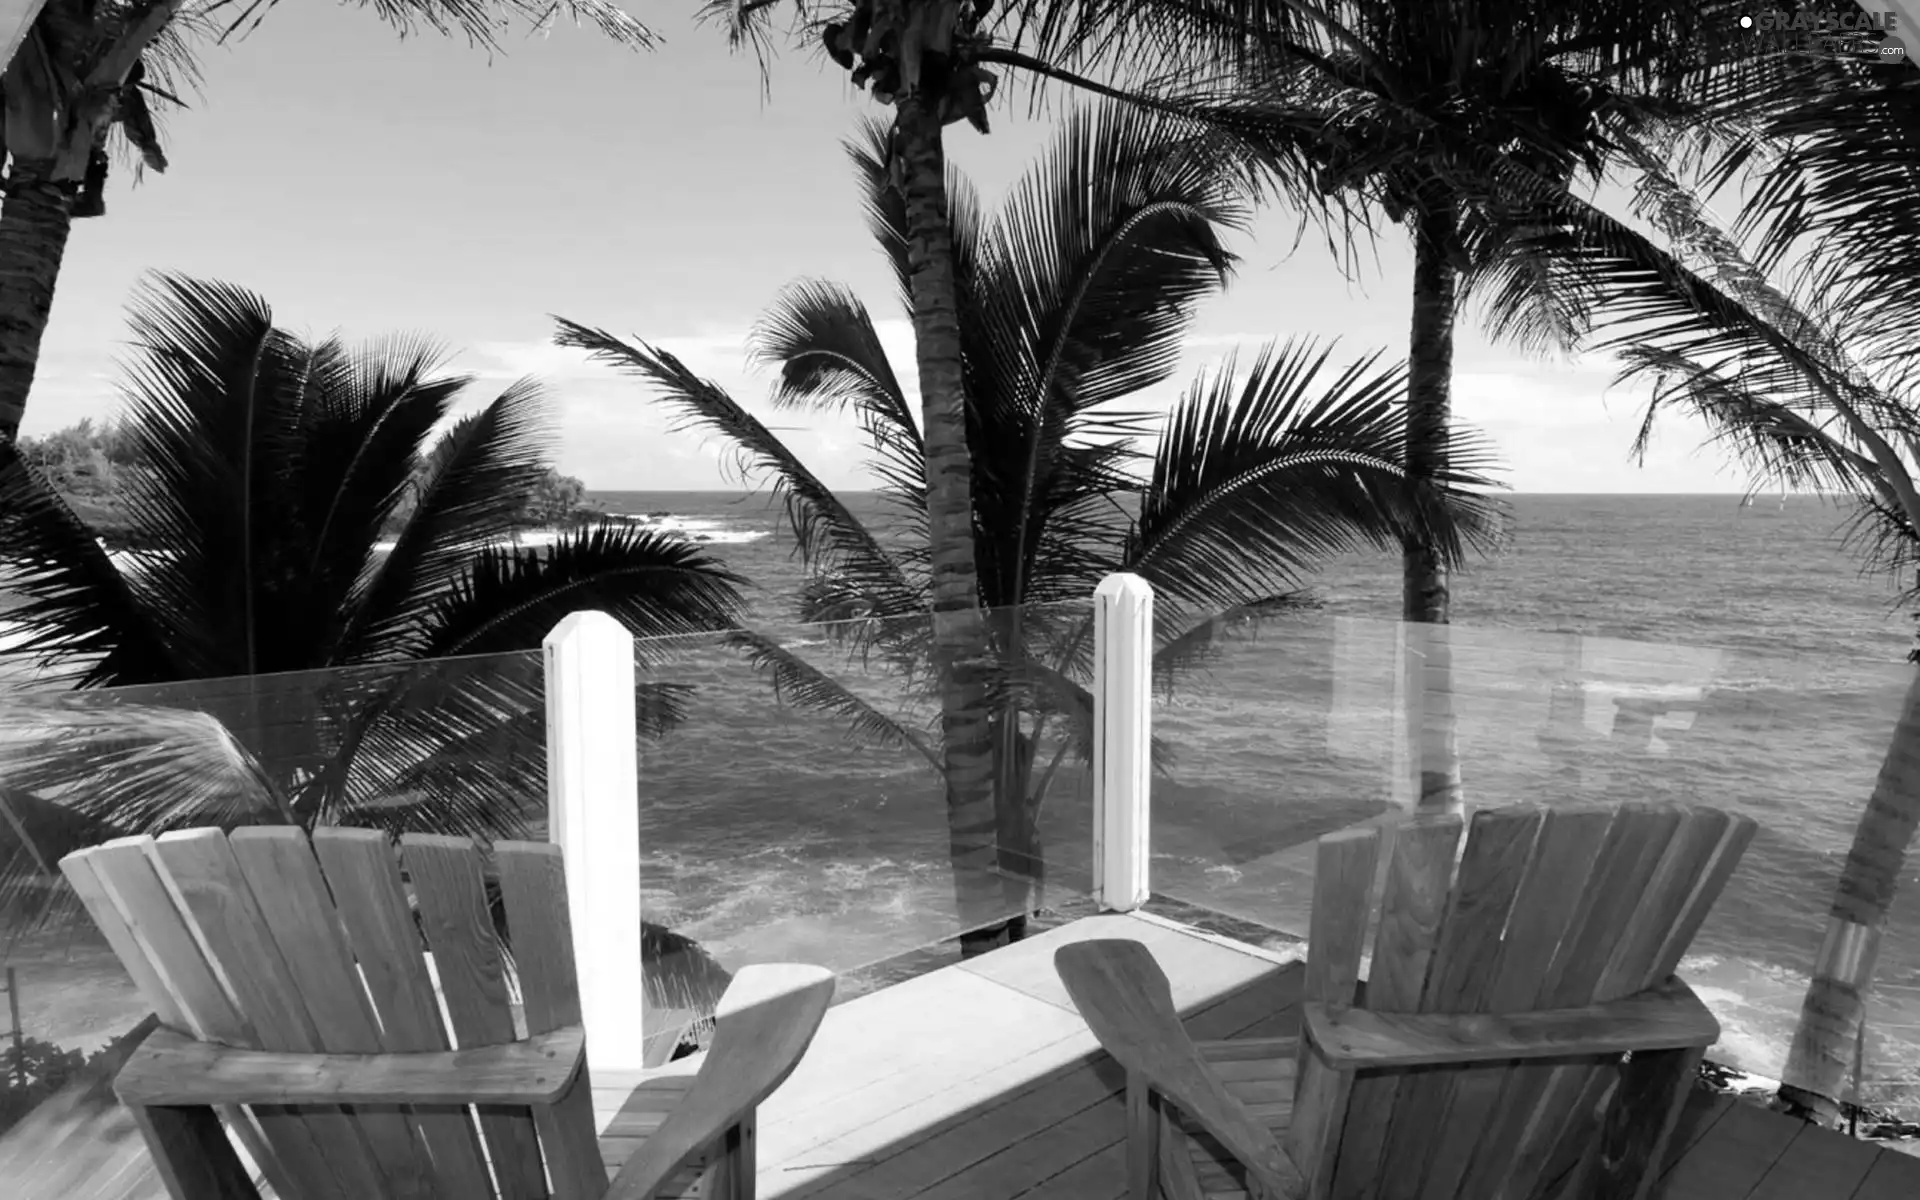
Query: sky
371, 184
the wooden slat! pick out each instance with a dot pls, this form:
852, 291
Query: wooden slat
1345, 866
1564, 1135
173, 1069
1733, 1157
293, 901
1893, 1176
1499, 845
129, 874
533, 885
1820, 1162
954, 1127
1635, 844
372, 904
1702, 1111
448, 880
159, 994
1544, 908
1419, 878
1128, 1004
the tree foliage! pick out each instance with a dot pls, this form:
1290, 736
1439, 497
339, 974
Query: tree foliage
1074, 299
272, 661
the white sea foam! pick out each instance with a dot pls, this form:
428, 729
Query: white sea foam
697, 529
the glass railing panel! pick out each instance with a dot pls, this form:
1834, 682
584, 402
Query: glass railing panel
1302, 726
1266, 735
793, 806
446, 746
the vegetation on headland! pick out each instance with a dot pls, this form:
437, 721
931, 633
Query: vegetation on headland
97, 469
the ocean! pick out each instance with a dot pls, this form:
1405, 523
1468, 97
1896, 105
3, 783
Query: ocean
1616, 648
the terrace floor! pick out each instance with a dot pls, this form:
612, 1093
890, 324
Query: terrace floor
979, 1079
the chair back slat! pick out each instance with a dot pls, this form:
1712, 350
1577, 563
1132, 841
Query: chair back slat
1540, 910
270, 939
378, 925
1646, 954
82, 873
219, 902
1498, 848
1413, 902
1346, 864
1544, 905
283, 879
449, 880
533, 889
1537, 1100
192, 984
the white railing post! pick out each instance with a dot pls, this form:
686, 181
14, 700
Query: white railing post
593, 814
1122, 736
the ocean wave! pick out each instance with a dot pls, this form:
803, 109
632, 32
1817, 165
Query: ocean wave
699, 529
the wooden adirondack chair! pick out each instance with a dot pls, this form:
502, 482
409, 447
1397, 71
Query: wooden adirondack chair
296, 1003
1521, 1033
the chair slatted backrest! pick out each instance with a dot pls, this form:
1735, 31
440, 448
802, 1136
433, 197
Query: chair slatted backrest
1540, 909
266, 939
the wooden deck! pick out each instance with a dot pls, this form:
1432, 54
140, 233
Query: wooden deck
980, 1080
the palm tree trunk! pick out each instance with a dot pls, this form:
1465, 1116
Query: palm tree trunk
961, 655
35, 219
1424, 598
1834, 1011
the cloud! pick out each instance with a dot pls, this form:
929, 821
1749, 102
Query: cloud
1559, 428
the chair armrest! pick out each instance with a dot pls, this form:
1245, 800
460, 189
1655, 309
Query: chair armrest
762, 1027
171, 1068
1125, 1000
1666, 1017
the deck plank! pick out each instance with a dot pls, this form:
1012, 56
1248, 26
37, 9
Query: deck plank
1704, 1109
1820, 1162
1733, 1157
1017, 1101
1893, 1176
1197, 968
1099, 1176
980, 1080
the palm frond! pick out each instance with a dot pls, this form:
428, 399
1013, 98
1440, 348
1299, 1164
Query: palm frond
1094, 267
214, 396
455, 745
81, 609
821, 339
887, 212
482, 22
654, 583
798, 682
498, 457
828, 534
1257, 481
1842, 191
81, 768
1205, 641
1775, 440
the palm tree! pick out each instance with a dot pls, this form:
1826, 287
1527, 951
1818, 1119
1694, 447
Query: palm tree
1784, 334
920, 56
388, 684
89, 68
1443, 117
1071, 300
